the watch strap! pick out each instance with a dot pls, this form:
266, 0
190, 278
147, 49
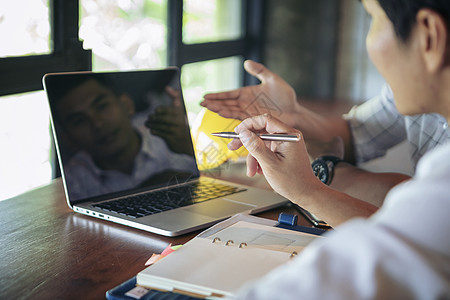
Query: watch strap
331, 162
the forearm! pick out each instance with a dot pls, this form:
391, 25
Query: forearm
364, 185
333, 206
317, 127
287, 169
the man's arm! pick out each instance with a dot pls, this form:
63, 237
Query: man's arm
318, 128
242, 103
348, 178
368, 186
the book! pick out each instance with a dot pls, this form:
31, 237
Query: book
219, 263
129, 291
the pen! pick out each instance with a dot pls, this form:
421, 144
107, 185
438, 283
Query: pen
265, 136
312, 218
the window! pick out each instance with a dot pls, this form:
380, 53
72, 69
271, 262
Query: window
125, 35
211, 21
26, 144
211, 36
31, 24
30, 128
197, 80
48, 43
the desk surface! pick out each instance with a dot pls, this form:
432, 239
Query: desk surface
50, 252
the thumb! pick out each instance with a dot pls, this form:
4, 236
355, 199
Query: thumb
258, 70
255, 146
175, 95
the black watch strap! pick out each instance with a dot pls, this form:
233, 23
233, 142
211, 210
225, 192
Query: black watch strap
323, 167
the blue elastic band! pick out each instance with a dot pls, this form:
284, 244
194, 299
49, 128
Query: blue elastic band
287, 219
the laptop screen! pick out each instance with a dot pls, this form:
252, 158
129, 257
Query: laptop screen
119, 133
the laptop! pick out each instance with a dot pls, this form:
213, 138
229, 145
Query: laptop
126, 155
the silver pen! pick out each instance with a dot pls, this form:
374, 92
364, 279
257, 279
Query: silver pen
265, 136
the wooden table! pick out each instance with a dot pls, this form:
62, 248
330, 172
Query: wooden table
50, 252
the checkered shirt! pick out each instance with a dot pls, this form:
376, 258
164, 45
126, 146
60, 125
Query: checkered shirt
376, 126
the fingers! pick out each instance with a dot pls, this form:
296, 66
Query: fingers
276, 160
234, 144
226, 109
172, 92
265, 123
175, 95
225, 104
252, 166
229, 95
216, 105
258, 70
257, 148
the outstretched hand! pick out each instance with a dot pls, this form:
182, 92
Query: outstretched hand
273, 95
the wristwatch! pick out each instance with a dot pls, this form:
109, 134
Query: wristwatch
323, 167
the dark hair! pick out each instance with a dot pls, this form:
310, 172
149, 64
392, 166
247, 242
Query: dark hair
402, 13
59, 86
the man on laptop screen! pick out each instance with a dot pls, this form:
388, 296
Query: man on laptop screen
114, 146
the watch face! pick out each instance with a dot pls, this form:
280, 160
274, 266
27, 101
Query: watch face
320, 169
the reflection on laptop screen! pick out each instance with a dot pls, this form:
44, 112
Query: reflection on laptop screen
118, 132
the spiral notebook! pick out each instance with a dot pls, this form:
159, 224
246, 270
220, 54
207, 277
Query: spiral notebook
218, 265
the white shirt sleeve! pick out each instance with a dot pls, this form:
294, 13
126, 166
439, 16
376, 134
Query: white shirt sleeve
402, 252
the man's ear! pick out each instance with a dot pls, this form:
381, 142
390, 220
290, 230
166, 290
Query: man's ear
128, 103
433, 35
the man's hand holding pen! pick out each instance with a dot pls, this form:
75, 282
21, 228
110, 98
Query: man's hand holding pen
285, 165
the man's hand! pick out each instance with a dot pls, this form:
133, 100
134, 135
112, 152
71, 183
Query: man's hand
285, 165
287, 168
167, 122
273, 96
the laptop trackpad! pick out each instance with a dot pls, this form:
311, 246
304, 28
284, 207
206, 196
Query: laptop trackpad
218, 208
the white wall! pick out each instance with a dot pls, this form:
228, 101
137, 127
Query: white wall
356, 77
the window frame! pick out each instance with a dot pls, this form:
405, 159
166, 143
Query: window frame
249, 46
24, 73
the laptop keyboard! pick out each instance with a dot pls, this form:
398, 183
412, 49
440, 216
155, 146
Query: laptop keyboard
154, 202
